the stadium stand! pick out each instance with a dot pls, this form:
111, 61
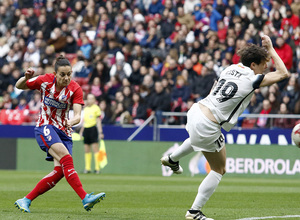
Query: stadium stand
135, 43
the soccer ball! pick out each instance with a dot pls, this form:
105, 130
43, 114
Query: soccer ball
296, 135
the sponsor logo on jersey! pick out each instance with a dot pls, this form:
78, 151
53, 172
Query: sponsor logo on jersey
53, 103
49, 138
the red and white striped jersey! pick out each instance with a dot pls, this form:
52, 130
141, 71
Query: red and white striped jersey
55, 105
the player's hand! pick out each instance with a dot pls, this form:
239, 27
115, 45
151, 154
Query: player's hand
68, 125
101, 136
29, 73
266, 42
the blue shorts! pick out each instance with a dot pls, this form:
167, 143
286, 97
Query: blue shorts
47, 135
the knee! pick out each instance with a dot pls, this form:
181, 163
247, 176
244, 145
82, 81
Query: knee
221, 170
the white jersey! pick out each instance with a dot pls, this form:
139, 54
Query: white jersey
232, 94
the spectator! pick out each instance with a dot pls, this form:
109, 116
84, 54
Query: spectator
120, 68
142, 55
96, 89
105, 112
22, 104
291, 93
295, 6
112, 86
150, 40
258, 20
100, 70
35, 103
203, 83
254, 106
157, 65
86, 47
189, 6
138, 110
284, 51
185, 18
57, 40
155, 7
180, 94
264, 122
32, 55
214, 16
116, 115
90, 19
277, 5
71, 45
159, 101
5, 78
277, 20
291, 19
284, 122
4, 47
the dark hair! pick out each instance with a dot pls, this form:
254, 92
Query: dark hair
61, 61
253, 53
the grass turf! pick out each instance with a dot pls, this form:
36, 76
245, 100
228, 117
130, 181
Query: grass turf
150, 197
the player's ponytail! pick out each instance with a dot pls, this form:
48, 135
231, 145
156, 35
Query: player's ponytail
61, 61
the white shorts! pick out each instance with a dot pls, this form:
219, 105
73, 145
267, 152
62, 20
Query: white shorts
205, 135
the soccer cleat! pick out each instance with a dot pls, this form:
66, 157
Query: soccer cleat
166, 161
86, 171
90, 200
23, 204
196, 214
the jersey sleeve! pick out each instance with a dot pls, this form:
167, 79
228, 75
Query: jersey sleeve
98, 111
257, 79
35, 82
78, 96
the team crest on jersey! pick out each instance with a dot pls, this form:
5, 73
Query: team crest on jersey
63, 98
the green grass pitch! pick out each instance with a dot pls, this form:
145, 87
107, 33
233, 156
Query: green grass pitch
150, 197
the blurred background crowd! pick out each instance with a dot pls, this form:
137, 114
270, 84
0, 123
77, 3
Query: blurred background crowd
143, 57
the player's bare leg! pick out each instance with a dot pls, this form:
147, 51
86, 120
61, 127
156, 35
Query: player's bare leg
217, 162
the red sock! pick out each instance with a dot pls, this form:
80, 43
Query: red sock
47, 183
71, 175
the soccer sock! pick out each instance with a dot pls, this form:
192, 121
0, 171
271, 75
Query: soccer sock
206, 189
72, 176
184, 149
97, 165
46, 183
88, 161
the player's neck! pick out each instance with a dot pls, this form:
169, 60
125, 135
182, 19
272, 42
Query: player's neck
58, 88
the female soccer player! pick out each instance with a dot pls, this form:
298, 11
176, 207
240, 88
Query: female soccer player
92, 132
221, 108
53, 129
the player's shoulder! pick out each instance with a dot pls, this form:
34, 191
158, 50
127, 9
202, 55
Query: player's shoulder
73, 86
48, 77
96, 107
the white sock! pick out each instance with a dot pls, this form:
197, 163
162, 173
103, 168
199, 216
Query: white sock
206, 189
184, 149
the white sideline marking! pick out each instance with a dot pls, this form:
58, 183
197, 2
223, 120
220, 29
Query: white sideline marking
268, 217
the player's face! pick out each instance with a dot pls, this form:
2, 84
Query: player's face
90, 100
259, 69
63, 76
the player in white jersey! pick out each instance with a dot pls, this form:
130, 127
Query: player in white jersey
227, 100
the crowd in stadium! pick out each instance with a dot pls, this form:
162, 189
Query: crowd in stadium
140, 57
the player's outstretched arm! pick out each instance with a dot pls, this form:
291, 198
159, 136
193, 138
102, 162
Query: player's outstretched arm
281, 71
21, 83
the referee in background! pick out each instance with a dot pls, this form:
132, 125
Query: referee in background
92, 133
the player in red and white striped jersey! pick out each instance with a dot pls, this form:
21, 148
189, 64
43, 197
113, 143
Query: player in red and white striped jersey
53, 130
55, 104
